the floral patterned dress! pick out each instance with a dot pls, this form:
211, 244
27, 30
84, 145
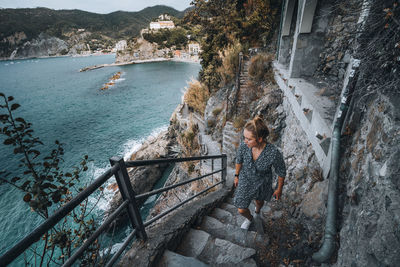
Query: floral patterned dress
255, 177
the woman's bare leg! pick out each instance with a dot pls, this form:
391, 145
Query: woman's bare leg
246, 213
259, 204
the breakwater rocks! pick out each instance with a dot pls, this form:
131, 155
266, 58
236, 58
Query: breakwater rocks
112, 80
150, 60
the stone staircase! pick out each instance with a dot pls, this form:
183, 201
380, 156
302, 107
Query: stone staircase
219, 241
243, 100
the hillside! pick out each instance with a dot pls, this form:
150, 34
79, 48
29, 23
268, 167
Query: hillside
21, 25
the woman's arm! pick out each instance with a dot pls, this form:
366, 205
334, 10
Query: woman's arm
237, 171
278, 192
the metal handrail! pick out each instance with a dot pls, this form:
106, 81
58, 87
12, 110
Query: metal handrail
138, 163
154, 192
36, 234
178, 205
119, 170
98, 232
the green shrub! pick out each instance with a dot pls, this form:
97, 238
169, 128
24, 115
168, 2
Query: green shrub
260, 68
239, 122
216, 111
230, 64
210, 123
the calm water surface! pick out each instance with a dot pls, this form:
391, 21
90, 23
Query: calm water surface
67, 105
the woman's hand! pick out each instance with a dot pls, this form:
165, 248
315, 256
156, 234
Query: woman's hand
277, 194
236, 181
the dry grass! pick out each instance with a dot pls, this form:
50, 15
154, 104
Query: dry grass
189, 141
196, 96
239, 122
216, 111
230, 63
260, 68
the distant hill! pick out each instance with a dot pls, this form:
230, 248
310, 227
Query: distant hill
117, 24
60, 23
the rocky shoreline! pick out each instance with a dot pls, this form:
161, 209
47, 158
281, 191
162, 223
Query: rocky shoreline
167, 144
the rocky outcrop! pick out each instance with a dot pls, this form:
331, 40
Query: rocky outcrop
370, 175
43, 45
143, 178
140, 49
15, 39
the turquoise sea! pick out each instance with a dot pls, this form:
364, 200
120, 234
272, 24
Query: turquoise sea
67, 105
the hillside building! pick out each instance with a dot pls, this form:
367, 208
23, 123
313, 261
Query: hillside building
121, 45
164, 24
194, 48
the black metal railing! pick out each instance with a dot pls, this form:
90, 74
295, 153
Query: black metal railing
130, 200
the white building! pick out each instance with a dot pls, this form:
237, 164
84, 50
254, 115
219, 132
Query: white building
164, 17
121, 45
165, 24
194, 48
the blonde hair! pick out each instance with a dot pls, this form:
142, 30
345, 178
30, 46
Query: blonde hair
258, 128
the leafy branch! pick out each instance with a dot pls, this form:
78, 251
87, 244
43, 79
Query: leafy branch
47, 187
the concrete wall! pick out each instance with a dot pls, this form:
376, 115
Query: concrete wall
287, 33
309, 36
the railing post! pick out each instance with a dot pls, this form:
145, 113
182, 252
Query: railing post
127, 192
224, 164
212, 170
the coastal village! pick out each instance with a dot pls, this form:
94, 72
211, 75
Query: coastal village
139, 49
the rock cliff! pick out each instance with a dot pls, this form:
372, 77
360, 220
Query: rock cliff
45, 45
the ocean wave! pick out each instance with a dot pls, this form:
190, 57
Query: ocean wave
131, 146
119, 80
109, 189
103, 203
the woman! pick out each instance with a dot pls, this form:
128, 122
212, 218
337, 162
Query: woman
253, 176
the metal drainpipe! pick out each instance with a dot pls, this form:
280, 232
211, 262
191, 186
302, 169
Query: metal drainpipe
328, 247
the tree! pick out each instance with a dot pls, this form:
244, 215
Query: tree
47, 187
226, 23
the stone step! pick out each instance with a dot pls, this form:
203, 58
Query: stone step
229, 200
232, 233
226, 217
228, 144
215, 251
257, 224
231, 139
230, 132
229, 148
172, 259
229, 207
